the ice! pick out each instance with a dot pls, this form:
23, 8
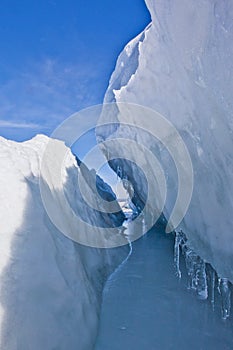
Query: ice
51, 287
202, 277
225, 292
212, 286
119, 172
147, 307
181, 66
197, 274
195, 266
178, 240
202, 288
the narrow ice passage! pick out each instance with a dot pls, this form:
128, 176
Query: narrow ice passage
145, 306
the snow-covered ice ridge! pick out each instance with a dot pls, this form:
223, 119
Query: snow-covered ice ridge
182, 67
50, 286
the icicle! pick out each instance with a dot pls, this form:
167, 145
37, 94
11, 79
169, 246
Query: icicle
190, 260
226, 297
196, 271
119, 172
202, 287
178, 240
212, 286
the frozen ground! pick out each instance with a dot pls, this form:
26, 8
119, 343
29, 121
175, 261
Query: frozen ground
147, 307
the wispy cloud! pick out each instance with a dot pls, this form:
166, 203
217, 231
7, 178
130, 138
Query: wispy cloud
12, 124
44, 93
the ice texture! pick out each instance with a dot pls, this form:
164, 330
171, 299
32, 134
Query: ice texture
201, 276
225, 293
181, 66
51, 287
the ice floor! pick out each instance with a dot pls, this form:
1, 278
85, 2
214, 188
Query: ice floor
146, 307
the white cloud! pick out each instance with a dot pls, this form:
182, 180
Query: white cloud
14, 124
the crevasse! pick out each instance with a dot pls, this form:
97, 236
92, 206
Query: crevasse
183, 71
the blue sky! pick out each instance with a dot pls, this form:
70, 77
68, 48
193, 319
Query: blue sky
57, 57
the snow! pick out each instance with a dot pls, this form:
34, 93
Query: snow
182, 67
50, 286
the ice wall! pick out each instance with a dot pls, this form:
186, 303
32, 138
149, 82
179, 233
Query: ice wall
181, 66
50, 286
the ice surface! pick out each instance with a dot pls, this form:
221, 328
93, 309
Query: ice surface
51, 287
182, 67
147, 307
